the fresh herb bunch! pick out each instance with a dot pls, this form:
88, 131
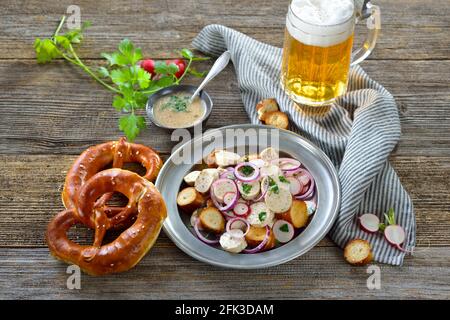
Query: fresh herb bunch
123, 75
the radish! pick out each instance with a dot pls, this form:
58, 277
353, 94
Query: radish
283, 231
395, 235
294, 185
369, 222
241, 209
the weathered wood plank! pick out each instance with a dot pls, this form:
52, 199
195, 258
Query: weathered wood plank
410, 28
170, 274
57, 109
30, 188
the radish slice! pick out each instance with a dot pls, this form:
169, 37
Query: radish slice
238, 224
241, 209
294, 185
221, 187
283, 231
202, 237
369, 222
215, 200
261, 245
229, 197
286, 164
246, 178
395, 235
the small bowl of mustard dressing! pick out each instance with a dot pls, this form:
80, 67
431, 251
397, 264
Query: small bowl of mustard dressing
170, 107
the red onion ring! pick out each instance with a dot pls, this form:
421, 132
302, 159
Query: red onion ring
232, 221
310, 192
260, 246
279, 162
216, 202
243, 178
202, 237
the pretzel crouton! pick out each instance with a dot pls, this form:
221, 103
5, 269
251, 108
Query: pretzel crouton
277, 119
358, 252
265, 106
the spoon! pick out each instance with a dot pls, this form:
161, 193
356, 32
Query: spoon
217, 67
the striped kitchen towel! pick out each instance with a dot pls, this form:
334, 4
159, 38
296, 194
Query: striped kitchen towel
358, 134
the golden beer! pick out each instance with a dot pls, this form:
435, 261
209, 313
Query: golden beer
317, 51
317, 74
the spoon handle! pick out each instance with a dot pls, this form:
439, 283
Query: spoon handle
217, 67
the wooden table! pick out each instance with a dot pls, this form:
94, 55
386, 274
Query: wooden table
51, 113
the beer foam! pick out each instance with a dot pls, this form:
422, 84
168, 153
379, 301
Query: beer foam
321, 23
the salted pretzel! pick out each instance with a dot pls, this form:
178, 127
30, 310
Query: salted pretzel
95, 159
132, 244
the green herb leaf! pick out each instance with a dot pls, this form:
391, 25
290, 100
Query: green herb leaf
382, 226
247, 170
121, 76
172, 68
262, 216
131, 125
46, 50
284, 228
165, 81
161, 67
246, 188
186, 53
283, 179
196, 73
142, 76
390, 217
126, 47
273, 187
103, 72
62, 41
119, 103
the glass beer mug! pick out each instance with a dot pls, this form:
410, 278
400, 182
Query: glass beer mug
317, 52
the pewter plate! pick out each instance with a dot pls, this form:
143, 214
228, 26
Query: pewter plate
177, 226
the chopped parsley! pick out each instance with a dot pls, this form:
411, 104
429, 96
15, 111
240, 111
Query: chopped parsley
246, 188
284, 228
273, 187
262, 216
247, 170
283, 179
176, 103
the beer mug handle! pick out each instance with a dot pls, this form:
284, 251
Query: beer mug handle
374, 26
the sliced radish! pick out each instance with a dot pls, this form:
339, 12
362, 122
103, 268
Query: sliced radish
229, 197
369, 222
241, 209
283, 231
395, 235
294, 185
223, 186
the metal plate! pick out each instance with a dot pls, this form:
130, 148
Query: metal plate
315, 160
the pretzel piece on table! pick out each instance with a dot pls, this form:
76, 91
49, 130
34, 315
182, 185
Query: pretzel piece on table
132, 244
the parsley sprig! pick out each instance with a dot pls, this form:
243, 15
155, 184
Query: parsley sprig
122, 75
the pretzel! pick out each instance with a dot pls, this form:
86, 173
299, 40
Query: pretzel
132, 244
95, 159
